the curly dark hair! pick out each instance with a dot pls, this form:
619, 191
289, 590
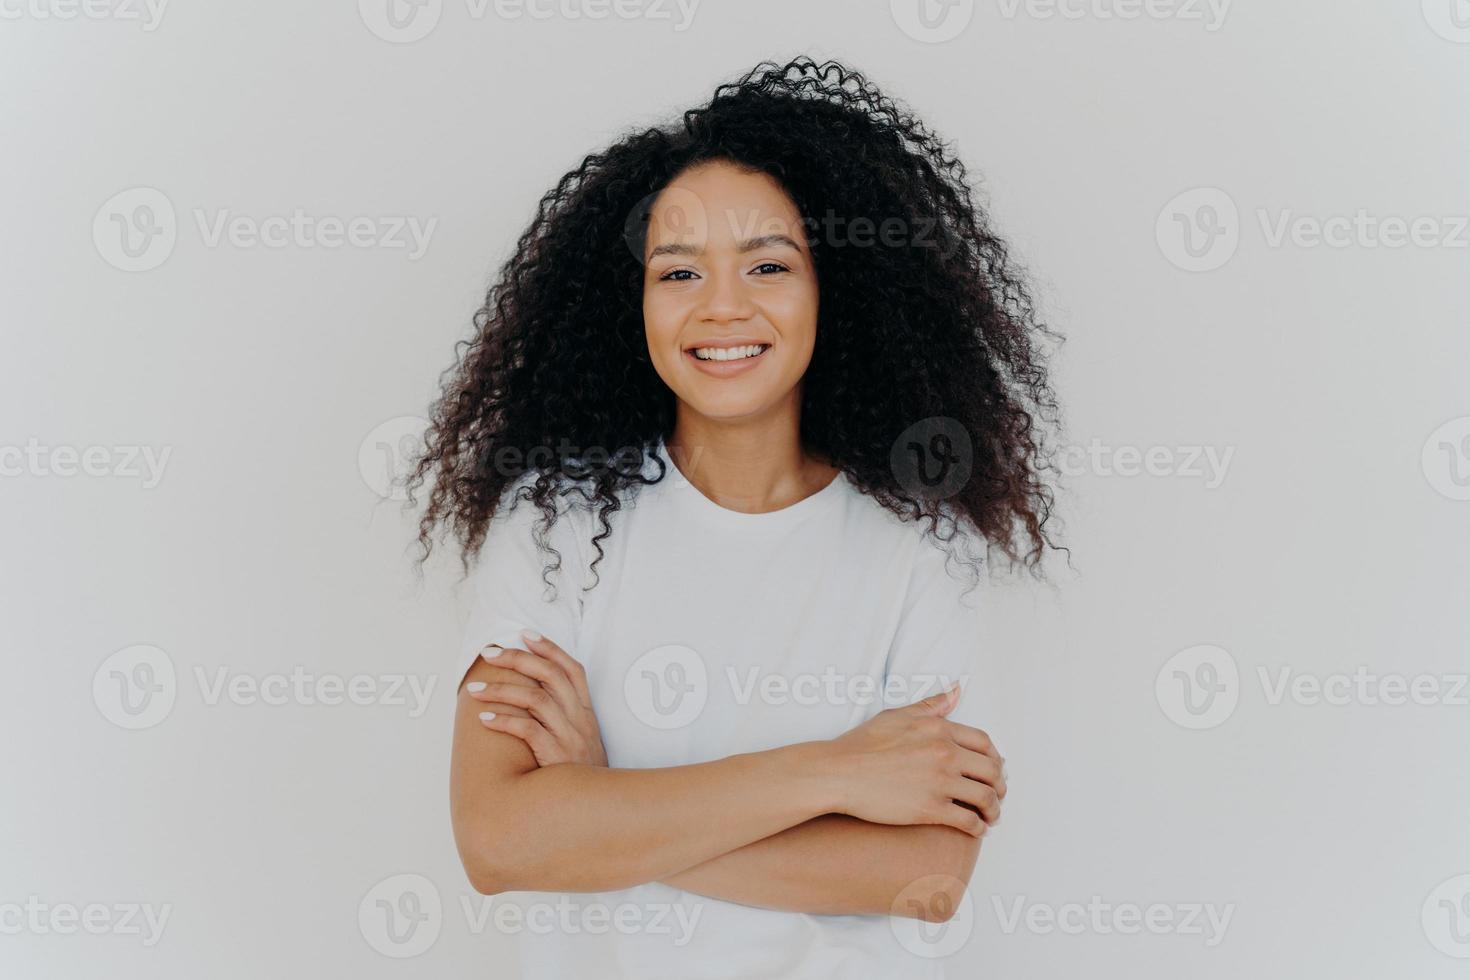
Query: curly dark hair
559, 362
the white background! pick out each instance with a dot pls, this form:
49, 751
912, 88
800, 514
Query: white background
1335, 541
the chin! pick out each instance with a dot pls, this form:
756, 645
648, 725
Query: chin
730, 406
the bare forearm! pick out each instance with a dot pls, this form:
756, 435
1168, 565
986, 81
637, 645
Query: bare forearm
589, 828
839, 865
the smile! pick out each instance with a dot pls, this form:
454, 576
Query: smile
729, 353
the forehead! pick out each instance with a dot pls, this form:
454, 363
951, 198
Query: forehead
719, 202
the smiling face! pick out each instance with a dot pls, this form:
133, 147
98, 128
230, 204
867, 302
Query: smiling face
729, 293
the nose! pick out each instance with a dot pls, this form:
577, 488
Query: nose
725, 299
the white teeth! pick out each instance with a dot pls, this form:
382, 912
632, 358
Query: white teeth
728, 353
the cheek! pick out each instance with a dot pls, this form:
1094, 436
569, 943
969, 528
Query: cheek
660, 323
796, 317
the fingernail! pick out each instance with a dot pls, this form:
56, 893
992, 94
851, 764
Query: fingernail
530, 635
486, 715
475, 687
492, 652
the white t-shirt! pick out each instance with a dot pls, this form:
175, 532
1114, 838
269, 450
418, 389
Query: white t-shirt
710, 633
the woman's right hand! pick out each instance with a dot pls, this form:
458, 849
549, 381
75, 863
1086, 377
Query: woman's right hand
911, 765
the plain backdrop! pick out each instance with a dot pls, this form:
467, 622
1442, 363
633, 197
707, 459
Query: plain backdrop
1160, 168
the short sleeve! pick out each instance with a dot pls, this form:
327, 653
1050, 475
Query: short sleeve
509, 589
937, 641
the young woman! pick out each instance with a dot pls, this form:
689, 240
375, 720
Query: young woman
754, 398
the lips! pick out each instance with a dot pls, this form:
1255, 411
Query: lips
727, 356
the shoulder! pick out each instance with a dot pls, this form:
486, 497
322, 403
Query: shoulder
548, 531
945, 553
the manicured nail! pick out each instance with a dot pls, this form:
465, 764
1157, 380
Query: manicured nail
492, 652
530, 636
486, 715
475, 687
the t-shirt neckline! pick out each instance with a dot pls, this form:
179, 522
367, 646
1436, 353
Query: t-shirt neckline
771, 518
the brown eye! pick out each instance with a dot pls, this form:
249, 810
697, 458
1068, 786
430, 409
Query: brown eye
770, 267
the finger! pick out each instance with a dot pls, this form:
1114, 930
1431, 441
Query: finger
961, 819
939, 704
537, 668
978, 795
535, 700
569, 665
542, 744
973, 739
980, 767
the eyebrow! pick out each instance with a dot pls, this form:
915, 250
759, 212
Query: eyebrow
749, 245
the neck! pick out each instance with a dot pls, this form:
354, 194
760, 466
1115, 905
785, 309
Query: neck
750, 465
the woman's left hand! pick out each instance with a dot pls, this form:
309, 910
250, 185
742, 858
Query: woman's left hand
562, 726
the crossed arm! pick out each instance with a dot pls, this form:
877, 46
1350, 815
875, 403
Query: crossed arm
885, 820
